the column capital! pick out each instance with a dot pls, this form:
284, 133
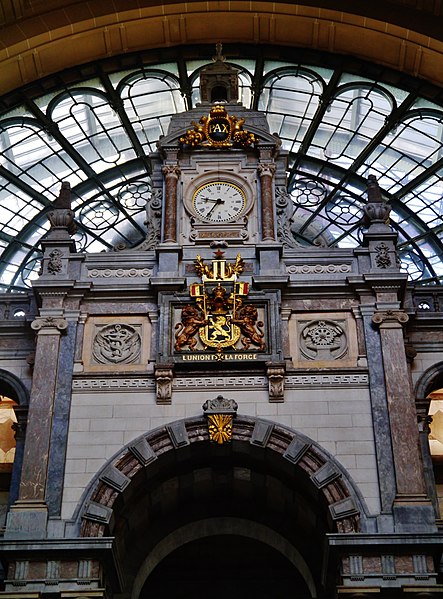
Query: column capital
266, 169
171, 170
49, 325
390, 319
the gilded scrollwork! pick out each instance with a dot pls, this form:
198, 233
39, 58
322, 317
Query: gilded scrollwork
218, 130
220, 413
220, 428
220, 318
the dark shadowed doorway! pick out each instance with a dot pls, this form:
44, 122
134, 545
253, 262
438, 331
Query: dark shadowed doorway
225, 566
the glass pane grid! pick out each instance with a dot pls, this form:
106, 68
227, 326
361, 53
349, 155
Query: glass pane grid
110, 186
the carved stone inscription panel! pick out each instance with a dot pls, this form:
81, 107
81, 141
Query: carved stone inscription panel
117, 343
323, 340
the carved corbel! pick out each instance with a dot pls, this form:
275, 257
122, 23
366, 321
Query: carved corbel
275, 372
164, 375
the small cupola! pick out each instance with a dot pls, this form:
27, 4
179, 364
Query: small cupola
219, 81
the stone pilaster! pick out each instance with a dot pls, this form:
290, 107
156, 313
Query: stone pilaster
409, 476
266, 172
28, 516
33, 484
380, 415
171, 173
60, 419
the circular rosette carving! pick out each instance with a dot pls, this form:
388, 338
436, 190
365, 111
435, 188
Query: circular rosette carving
323, 340
117, 344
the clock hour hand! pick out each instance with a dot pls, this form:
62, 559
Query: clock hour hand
217, 202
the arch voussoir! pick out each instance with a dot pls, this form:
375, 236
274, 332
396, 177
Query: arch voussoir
324, 472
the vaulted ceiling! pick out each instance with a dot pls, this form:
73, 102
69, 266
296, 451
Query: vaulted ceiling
42, 37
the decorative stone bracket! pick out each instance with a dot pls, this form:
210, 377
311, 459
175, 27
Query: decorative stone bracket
220, 413
164, 375
275, 372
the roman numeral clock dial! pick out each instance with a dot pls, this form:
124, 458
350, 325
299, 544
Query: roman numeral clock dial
219, 201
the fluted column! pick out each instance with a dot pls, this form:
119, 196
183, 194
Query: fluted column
171, 173
266, 172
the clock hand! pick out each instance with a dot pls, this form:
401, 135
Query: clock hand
217, 202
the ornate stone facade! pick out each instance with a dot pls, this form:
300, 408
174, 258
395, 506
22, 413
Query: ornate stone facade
222, 380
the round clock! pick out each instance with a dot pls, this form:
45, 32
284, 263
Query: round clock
219, 201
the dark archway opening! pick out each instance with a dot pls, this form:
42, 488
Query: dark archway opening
225, 566
219, 94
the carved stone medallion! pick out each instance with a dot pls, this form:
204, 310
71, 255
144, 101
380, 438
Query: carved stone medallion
117, 344
323, 340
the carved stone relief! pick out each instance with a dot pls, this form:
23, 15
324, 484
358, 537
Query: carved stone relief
328, 339
382, 258
116, 343
55, 263
323, 340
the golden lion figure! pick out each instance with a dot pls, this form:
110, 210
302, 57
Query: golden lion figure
188, 327
251, 328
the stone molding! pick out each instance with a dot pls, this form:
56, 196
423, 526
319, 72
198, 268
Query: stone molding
119, 273
226, 382
318, 269
342, 500
113, 384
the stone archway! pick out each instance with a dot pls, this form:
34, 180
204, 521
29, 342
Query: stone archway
221, 528
268, 476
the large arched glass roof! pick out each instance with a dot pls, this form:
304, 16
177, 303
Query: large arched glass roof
337, 125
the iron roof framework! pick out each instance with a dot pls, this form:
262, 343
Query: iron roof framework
339, 119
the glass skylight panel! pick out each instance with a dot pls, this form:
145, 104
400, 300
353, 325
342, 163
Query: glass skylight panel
92, 128
350, 122
90, 146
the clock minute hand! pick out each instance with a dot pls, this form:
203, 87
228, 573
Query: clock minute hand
217, 202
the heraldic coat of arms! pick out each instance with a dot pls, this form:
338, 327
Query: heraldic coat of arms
220, 315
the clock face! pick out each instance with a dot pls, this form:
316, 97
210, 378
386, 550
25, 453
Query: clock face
219, 201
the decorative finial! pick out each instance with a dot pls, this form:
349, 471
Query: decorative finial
61, 217
64, 197
376, 210
218, 53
